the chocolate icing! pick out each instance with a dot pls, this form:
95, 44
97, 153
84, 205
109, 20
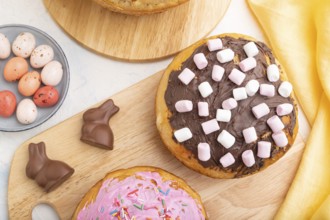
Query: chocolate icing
242, 116
48, 174
96, 130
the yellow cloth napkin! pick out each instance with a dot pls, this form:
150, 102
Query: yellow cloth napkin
299, 33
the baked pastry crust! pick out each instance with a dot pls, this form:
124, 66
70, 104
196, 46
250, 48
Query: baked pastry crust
139, 7
122, 174
186, 156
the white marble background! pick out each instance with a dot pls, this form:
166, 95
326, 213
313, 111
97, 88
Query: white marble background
93, 77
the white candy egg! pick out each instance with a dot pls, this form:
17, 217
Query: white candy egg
26, 111
41, 55
4, 47
52, 73
24, 44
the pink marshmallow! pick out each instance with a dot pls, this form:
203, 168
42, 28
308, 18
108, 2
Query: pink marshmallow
214, 44
248, 64
227, 160
280, 139
250, 135
264, 148
284, 109
204, 152
200, 60
184, 106
217, 73
203, 109
267, 90
248, 158
275, 123
260, 110
210, 126
229, 104
186, 76
236, 76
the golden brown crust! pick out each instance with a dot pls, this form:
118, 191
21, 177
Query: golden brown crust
139, 7
121, 174
166, 131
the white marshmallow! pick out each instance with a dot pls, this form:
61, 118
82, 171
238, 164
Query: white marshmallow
214, 44
203, 109
260, 110
236, 76
205, 89
248, 64
226, 139
239, 93
200, 60
227, 160
250, 135
251, 49
186, 76
280, 139
248, 158
273, 73
285, 89
210, 126
225, 55
275, 123
264, 148
184, 106
183, 134
204, 151
284, 109
252, 87
223, 115
267, 90
229, 104
217, 73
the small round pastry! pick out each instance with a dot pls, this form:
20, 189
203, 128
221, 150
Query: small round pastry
139, 7
140, 193
225, 108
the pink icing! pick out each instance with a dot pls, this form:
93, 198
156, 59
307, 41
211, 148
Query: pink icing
141, 199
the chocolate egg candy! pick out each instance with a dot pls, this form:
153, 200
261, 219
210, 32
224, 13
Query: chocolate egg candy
46, 96
24, 44
26, 112
4, 47
52, 73
29, 83
7, 103
15, 68
41, 55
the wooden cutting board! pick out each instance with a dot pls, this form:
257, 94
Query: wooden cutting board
135, 38
137, 142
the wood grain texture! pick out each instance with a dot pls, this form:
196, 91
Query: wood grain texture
133, 38
137, 142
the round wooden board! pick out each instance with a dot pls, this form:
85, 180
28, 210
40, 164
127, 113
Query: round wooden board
137, 38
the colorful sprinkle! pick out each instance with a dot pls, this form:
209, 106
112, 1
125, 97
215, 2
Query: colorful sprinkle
113, 212
184, 204
163, 203
102, 209
138, 207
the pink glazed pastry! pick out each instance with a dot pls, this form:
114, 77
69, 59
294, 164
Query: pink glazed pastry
140, 193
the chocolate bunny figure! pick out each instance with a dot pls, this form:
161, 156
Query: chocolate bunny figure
96, 130
49, 174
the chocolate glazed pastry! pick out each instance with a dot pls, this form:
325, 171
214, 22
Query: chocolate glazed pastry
49, 174
226, 151
96, 130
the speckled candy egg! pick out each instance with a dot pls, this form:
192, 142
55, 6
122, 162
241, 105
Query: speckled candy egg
29, 83
46, 96
15, 68
41, 55
26, 112
52, 73
4, 47
24, 44
7, 103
